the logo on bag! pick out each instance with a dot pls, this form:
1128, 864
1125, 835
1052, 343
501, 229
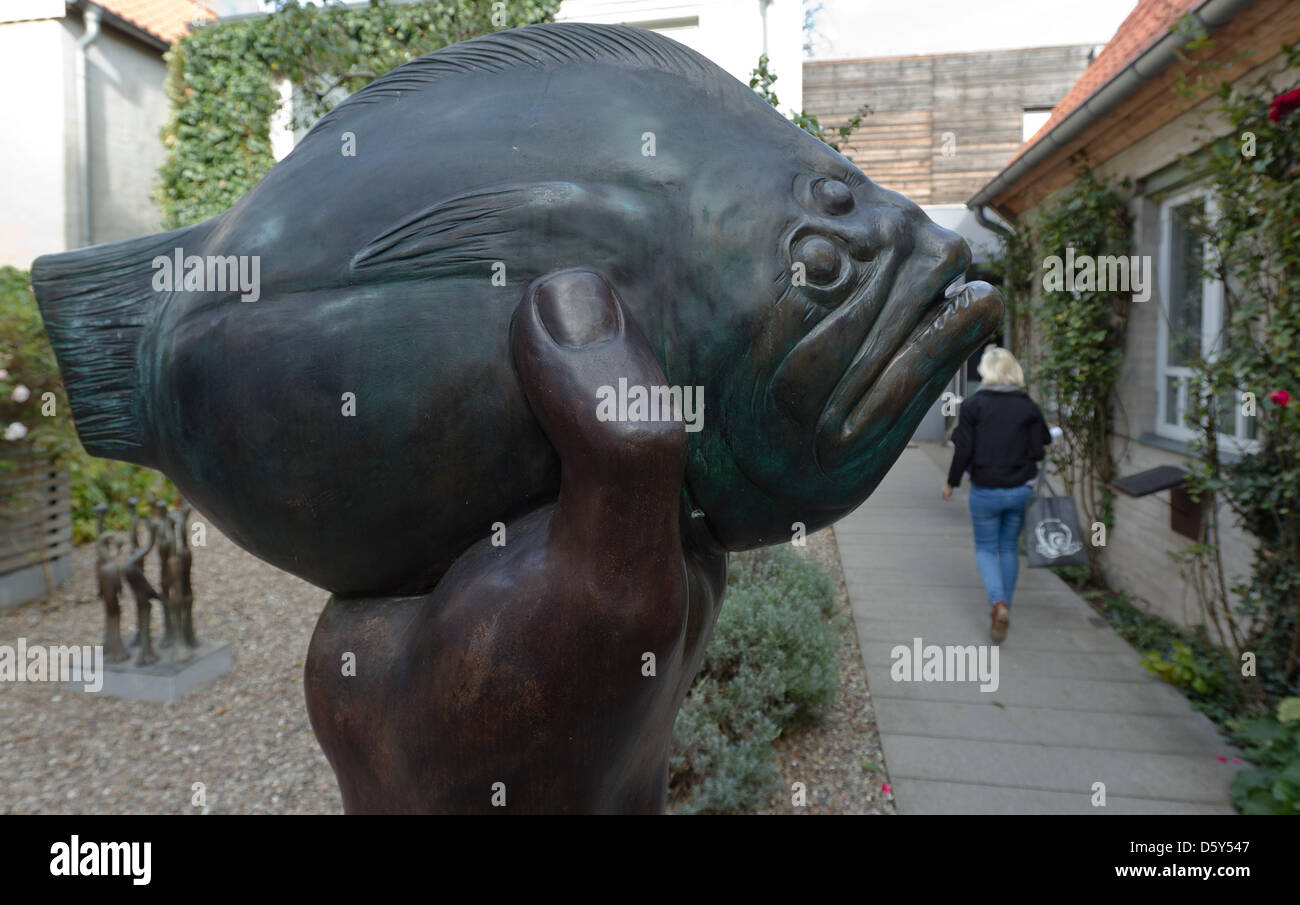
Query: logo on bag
1054, 539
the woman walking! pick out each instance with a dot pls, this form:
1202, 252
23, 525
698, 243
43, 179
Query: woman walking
1000, 437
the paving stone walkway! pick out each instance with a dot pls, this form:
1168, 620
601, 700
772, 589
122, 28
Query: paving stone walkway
1072, 707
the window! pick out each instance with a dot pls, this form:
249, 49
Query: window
1031, 120
684, 30
1189, 324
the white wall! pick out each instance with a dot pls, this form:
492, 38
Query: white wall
128, 108
32, 189
22, 10
40, 181
729, 32
235, 7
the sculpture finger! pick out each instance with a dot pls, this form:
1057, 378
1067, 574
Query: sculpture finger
575, 349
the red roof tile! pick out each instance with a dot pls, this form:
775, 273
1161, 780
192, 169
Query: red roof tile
1145, 26
166, 19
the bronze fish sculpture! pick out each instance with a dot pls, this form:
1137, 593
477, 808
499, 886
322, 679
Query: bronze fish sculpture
324, 369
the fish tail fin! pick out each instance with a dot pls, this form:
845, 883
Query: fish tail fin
97, 303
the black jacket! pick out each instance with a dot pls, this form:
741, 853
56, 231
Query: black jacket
1000, 436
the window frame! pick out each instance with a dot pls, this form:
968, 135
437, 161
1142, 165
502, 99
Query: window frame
1211, 330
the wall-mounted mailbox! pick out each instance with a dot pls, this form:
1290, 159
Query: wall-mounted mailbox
1185, 515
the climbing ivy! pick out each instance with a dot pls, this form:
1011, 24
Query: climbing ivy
1080, 331
1252, 231
221, 82
1017, 265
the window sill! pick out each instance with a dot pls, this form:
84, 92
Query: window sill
1182, 448
1169, 444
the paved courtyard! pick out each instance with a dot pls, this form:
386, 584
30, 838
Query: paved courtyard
1072, 708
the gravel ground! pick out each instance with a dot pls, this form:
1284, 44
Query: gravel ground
840, 761
245, 736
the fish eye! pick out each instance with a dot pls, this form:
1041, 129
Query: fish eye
833, 196
820, 258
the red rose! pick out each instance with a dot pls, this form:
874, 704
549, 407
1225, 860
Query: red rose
1284, 104
1281, 397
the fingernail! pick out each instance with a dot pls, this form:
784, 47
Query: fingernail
577, 309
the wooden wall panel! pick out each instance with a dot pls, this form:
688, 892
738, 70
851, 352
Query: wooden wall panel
916, 101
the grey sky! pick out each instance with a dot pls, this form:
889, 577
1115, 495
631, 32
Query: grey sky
888, 28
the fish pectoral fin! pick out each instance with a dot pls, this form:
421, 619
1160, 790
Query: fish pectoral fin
463, 230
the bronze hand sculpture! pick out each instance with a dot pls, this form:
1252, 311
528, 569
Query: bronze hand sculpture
553, 664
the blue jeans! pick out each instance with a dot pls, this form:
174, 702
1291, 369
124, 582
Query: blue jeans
996, 514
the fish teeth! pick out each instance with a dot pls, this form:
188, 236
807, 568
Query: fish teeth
956, 287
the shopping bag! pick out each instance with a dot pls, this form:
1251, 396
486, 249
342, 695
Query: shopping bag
1052, 535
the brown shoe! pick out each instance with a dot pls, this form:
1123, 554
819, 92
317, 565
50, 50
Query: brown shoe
1001, 621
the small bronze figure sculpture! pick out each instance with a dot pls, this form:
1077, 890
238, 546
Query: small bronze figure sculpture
161, 525
423, 361
108, 572
133, 573
181, 562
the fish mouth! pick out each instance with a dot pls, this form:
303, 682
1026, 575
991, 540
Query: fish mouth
872, 401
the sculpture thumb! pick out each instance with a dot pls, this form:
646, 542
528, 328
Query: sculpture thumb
575, 350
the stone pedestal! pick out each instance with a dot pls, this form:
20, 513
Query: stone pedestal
165, 680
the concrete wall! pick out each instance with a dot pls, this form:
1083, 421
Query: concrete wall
33, 193
40, 178
72, 191
128, 109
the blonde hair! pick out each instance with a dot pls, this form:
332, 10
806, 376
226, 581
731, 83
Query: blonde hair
998, 367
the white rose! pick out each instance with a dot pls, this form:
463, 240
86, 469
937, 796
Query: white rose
15, 431
3, 373
21, 393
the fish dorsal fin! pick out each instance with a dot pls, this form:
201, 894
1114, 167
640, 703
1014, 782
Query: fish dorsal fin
459, 233
540, 46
